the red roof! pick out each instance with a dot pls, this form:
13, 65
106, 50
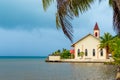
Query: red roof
96, 27
72, 51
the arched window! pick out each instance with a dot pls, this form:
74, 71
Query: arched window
101, 52
78, 52
86, 52
93, 52
96, 34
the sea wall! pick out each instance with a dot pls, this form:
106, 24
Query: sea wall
54, 58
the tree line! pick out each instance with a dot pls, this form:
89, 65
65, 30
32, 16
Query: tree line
64, 54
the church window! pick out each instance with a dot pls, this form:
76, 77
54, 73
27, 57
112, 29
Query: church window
93, 52
78, 52
96, 34
101, 52
86, 52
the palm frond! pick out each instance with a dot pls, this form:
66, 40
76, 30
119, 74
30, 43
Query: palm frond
46, 3
111, 3
116, 17
63, 18
58, 25
66, 11
105, 40
77, 6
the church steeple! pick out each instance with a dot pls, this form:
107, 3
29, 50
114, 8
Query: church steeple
96, 31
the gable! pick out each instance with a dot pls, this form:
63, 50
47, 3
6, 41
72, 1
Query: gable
88, 38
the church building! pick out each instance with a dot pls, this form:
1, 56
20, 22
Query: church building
89, 46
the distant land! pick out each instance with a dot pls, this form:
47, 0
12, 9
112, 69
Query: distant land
21, 57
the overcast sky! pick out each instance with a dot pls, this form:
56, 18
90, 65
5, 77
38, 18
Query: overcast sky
27, 30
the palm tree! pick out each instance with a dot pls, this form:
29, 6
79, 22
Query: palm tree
105, 42
68, 9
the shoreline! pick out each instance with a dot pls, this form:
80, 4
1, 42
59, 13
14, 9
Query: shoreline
78, 61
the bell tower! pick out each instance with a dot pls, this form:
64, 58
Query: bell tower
96, 31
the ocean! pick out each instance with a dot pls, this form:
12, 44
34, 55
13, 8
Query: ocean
35, 68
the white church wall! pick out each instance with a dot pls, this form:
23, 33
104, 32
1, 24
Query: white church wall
89, 43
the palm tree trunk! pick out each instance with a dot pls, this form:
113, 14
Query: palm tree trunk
107, 52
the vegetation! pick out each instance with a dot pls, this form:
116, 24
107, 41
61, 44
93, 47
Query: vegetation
64, 54
115, 49
68, 9
105, 42
82, 54
56, 53
112, 45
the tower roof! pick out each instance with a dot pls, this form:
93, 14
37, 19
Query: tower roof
96, 27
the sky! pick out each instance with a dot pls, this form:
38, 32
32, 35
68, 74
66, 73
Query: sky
27, 30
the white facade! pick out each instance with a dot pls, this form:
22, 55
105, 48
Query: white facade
90, 46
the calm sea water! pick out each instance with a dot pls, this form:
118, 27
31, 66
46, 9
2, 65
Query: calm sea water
38, 69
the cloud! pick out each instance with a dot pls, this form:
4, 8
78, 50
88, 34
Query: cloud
25, 14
